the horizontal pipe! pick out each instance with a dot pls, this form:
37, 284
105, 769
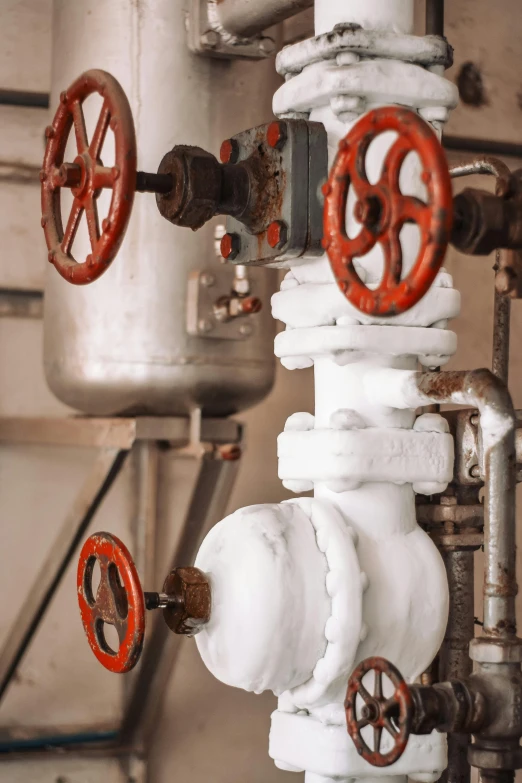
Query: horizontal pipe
246, 18
483, 390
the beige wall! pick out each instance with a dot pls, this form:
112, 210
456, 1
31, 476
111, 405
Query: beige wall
208, 732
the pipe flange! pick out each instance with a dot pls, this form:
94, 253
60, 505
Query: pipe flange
345, 584
422, 50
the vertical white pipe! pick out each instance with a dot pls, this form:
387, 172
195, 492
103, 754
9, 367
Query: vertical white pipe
396, 15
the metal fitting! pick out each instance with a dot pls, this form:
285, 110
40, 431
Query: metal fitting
191, 589
230, 246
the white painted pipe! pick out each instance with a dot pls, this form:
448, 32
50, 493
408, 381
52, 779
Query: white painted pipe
245, 18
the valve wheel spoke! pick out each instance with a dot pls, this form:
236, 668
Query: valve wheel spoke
377, 736
392, 254
80, 129
93, 223
100, 132
71, 228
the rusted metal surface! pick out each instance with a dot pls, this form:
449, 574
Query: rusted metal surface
497, 420
191, 610
454, 660
393, 714
118, 601
383, 210
86, 176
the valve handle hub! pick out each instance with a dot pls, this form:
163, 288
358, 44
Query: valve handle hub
382, 210
393, 714
86, 176
119, 601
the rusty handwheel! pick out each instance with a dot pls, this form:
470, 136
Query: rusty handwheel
87, 175
382, 210
119, 601
393, 714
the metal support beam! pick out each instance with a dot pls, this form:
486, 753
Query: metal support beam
105, 470
209, 498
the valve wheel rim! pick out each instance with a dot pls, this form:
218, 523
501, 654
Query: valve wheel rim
393, 295
399, 706
86, 176
119, 601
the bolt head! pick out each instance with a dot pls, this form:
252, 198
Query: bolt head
277, 234
229, 152
205, 326
276, 135
210, 39
207, 280
230, 246
474, 471
267, 46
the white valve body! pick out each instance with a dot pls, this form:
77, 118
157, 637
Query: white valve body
304, 590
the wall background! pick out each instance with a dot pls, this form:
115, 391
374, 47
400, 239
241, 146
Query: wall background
208, 731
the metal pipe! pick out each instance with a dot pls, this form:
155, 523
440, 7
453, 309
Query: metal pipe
501, 323
502, 306
246, 18
454, 660
483, 390
434, 17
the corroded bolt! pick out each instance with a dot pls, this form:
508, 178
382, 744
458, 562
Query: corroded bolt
276, 135
277, 234
230, 452
229, 151
230, 246
189, 590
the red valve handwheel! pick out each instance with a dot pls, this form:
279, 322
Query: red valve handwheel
393, 714
118, 601
382, 211
87, 175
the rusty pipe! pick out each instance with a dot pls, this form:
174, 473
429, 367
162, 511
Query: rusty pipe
483, 390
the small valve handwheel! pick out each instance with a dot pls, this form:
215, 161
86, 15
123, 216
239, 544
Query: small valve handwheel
86, 176
391, 713
382, 210
118, 601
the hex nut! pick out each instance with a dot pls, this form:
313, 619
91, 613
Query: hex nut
191, 589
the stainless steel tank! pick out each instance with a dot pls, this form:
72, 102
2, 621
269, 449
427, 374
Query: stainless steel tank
120, 345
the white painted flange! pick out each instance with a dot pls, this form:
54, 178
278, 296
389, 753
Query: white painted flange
371, 454
303, 743
345, 344
345, 584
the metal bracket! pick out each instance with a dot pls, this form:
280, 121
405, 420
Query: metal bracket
205, 288
205, 37
296, 163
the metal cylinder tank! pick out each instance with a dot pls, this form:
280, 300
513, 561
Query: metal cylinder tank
120, 345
